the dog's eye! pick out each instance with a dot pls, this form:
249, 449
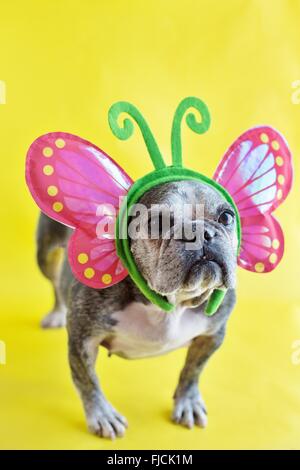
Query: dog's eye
226, 218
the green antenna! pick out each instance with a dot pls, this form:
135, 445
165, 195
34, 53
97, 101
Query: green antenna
126, 131
198, 127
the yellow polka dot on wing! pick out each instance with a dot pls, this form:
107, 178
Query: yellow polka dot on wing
259, 267
275, 145
89, 273
48, 170
279, 160
52, 190
279, 194
281, 179
273, 258
82, 258
264, 138
47, 152
275, 244
57, 207
106, 279
60, 143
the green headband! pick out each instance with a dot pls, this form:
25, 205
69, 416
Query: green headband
162, 174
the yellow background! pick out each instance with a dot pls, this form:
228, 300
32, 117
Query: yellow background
64, 63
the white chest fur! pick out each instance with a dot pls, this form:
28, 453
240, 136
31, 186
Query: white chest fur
145, 330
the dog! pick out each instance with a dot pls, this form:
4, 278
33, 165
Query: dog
122, 320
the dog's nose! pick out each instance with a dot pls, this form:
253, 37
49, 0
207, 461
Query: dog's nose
209, 233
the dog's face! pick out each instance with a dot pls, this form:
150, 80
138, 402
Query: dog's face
192, 252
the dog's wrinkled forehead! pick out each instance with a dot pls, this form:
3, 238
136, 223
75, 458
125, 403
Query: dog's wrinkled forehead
186, 192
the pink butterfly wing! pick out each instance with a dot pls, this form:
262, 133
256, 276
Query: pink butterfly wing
77, 184
257, 172
262, 244
95, 264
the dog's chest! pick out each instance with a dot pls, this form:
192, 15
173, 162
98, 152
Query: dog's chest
143, 330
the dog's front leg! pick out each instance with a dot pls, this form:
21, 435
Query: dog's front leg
103, 420
189, 408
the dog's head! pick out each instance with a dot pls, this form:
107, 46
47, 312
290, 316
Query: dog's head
186, 254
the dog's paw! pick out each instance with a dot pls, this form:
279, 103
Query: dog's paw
105, 421
190, 410
54, 319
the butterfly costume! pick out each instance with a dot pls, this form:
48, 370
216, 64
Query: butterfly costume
79, 185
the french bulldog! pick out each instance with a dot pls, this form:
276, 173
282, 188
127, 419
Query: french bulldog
122, 320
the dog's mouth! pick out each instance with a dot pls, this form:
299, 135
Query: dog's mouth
206, 273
